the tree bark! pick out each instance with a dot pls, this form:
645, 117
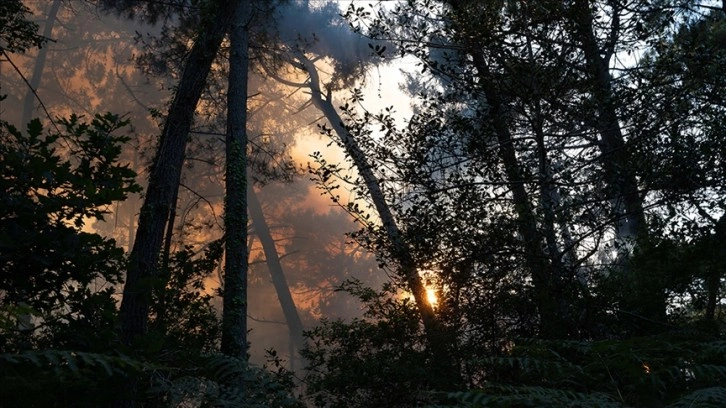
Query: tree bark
165, 174
234, 315
289, 310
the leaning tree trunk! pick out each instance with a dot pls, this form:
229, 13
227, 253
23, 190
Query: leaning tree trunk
436, 335
401, 252
628, 203
547, 279
234, 314
645, 297
166, 172
272, 259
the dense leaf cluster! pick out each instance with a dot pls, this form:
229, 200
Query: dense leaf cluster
58, 280
17, 34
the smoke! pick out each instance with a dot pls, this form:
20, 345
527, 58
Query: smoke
321, 30
91, 68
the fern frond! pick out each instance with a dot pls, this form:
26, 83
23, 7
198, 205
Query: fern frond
533, 396
70, 362
559, 368
713, 397
222, 381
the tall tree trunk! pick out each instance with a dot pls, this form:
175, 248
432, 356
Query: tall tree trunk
435, 332
289, 310
646, 296
165, 173
39, 64
545, 277
628, 203
234, 315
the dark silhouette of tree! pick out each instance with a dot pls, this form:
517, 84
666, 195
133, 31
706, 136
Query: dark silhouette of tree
166, 171
234, 314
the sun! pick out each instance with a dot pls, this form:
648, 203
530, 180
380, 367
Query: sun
431, 295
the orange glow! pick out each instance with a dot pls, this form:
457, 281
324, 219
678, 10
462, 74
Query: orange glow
431, 295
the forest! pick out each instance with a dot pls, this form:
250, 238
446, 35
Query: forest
314, 203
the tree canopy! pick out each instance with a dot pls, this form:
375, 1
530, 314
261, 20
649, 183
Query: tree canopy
539, 220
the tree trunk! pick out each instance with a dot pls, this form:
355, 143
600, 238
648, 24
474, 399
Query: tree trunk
646, 296
234, 315
545, 277
628, 203
165, 174
294, 324
435, 332
39, 65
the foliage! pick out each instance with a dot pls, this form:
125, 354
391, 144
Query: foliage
43, 378
184, 315
17, 33
81, 379
378, 360
683, 367
57, 282
222, 381
549, 190
511, 182
381, 361
56, 279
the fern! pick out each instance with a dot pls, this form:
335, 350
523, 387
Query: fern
524, 396
64, 378
680, 369
63, 362
222, 381
555, 371
713, 397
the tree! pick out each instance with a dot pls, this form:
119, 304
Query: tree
39, 63
272, 260
234, 319
165, 173
521, 183
183, 323
301, 54
18, 34
679, 141
49, 198
58, 280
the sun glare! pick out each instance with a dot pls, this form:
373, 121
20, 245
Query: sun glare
431, 295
